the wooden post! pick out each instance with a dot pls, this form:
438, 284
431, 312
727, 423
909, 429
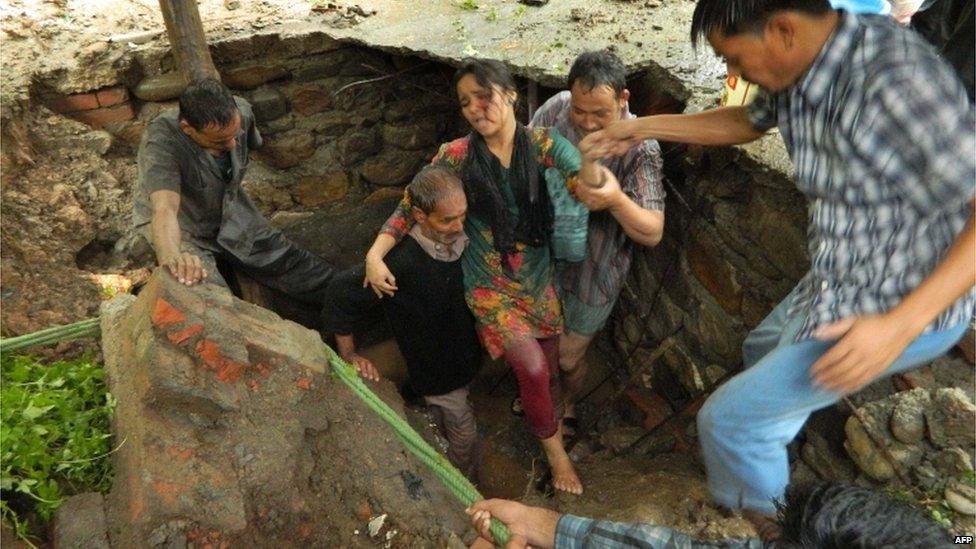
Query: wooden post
187, 39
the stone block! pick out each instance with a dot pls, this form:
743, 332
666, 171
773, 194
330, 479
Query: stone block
314, 191
908, 415
718, 276
80, 523
268, 104
235, 435
308, 100
252, 76
392, 167
321, 66
66, 104
287, 150
328, 124
358, 145
159, 87
384, 194
950, 419
419, 134
112, 96
105, 116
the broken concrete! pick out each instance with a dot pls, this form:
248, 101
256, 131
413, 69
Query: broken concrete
232, 431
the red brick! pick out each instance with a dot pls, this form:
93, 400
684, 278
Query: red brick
112, 96
72, 103
99, 118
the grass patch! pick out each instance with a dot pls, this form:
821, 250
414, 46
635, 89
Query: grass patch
54, 435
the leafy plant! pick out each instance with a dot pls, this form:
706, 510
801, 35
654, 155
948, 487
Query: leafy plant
54, 433
470, 5
492, 14
519, 11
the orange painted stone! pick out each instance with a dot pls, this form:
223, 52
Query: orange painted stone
165, 314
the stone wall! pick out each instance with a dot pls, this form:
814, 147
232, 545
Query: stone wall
345, 128
341, 123
734, 245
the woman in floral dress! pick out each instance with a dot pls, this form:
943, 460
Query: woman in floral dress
507, 264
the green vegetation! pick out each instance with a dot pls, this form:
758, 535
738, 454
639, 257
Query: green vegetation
492, 14
54, 434
470, 5
519, 11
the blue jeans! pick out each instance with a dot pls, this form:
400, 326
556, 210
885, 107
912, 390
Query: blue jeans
745, 425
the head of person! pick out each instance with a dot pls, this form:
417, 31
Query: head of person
209, 115
438, 204
487, 94
767, 42
830, 515
598, 88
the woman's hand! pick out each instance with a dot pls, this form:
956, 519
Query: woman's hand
379, 277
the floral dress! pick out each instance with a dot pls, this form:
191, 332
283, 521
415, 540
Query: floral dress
508, 306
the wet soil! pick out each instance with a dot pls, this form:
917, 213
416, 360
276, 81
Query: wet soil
666, 489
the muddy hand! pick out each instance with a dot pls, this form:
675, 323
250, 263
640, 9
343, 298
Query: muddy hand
186, 267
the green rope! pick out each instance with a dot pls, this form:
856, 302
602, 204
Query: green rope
85, 328
461, 487
457, 484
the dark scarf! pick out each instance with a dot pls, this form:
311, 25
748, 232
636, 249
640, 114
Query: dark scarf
482, 177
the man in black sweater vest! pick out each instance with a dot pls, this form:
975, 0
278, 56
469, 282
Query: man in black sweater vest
429, 318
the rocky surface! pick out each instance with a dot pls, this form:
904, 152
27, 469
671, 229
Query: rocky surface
235, 433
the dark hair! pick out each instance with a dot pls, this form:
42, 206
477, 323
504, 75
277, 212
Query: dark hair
431, 185
737, 16
488, 73
598, 68
829, 515
207, 101
482, 175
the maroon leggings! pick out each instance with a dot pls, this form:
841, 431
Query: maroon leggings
536, 366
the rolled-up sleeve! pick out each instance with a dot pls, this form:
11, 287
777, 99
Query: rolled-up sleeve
158, 168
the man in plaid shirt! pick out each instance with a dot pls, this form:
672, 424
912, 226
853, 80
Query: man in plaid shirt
621, 215
881, 134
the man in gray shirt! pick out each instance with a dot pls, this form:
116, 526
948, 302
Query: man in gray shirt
189, 203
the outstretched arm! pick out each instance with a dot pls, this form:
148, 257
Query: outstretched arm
722, 126
186, 267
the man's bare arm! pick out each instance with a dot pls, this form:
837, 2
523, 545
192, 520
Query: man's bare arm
722, 126
186, 267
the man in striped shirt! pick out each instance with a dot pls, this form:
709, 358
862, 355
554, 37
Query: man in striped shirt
621, 215
881, 134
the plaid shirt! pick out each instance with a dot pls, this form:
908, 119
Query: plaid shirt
880, 131
597, 280
578, 533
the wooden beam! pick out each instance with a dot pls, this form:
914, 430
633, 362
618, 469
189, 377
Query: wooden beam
187, 39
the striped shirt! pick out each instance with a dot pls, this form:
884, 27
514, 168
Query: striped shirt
578, 533
881, 135
597, 279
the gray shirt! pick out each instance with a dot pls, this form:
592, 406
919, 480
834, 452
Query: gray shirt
215, 213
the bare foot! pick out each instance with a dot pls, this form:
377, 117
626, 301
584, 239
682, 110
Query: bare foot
766, 526
564, 476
